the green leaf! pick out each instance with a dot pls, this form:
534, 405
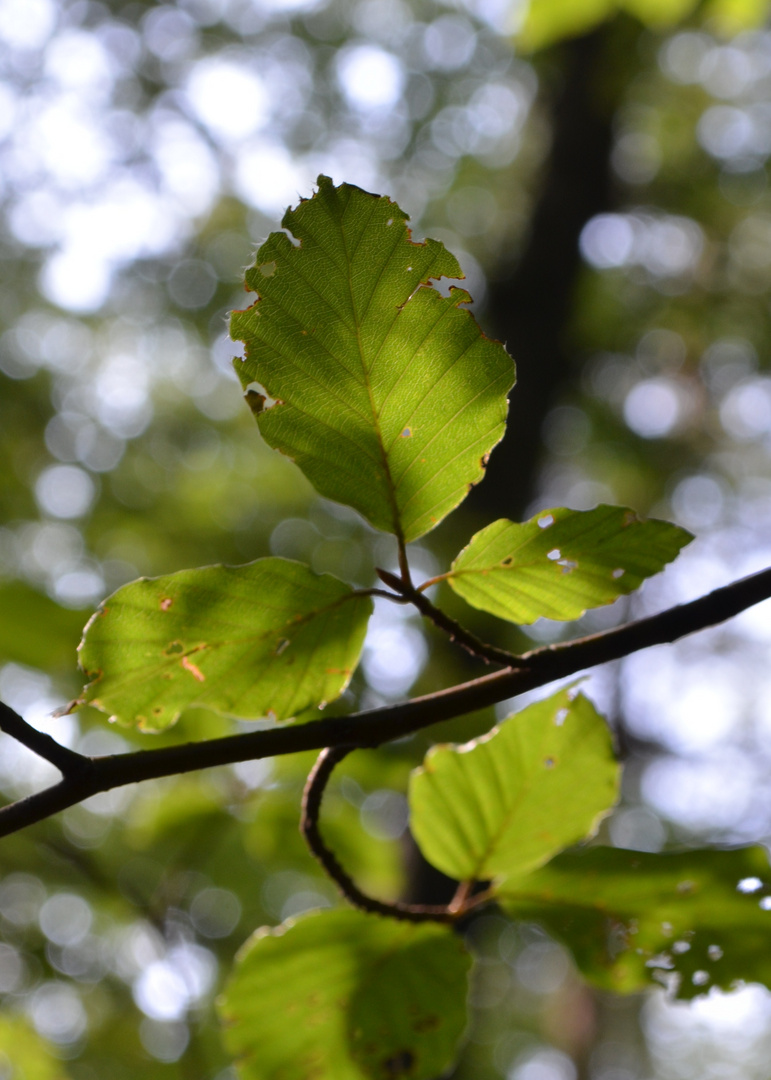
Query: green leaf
562, 562
24, 1055
386, 394
550, 21
345, 996
267, 639
35, 630
505, 803
633, 917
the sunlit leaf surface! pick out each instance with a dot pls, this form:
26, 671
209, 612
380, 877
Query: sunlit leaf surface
562, 562
507, 802
690, 920
340, 995
385, 393
267, 639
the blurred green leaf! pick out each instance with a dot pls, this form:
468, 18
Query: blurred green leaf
633, 917
562, 562
37, 631
505, 803
345, 996
385, 393
24, 1055
267, 639
550, 21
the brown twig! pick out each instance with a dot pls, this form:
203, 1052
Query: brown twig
373, 727
489, 653
315, 786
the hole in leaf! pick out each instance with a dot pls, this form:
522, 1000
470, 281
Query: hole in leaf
409, 269
749, 885
618, 573
546, 521
714, 952
567, 565
406, 434
267, 269
700, 978
681, 946
258, 399
390, 221
554, 554
685, 887
173, 648
282, 645
549, 762
560, 717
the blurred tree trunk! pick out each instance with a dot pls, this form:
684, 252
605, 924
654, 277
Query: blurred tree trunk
529, 307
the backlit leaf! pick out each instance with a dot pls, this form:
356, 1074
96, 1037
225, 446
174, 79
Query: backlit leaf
386, 394
507, 802
267, 639
562, 562
692, 920
340, 995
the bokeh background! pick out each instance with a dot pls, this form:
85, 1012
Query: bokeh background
601, 172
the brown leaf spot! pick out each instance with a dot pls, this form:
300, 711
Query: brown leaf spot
427, 1023
196, 672
166, 603
399, 1064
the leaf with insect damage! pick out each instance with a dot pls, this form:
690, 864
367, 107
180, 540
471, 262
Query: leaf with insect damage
267, 639
340, 995
562, 562
690, 920
386, 393
507, 802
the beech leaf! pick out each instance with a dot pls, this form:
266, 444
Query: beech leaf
267, 639
340, 995
386, 393
562, 562
507, 802
690, 920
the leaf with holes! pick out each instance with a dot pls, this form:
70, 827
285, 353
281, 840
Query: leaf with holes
340, 995
386, 393
691, 920
562, 562
267, 639
507, 802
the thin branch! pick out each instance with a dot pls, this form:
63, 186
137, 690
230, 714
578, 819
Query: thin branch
373, 727
457, 633
309, 827
67, 761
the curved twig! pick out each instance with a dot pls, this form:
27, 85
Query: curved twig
316, 783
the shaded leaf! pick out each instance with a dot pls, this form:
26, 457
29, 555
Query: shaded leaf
35, 630
386, 394
562, 562
345, 996
267, 639
633, 917
507, 802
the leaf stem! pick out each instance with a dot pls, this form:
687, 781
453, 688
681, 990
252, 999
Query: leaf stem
457, 633
313, 794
